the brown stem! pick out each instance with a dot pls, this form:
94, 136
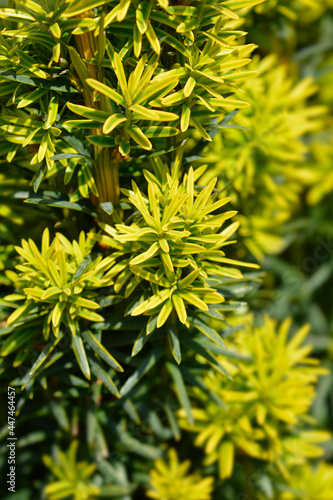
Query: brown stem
106, 160
107, 178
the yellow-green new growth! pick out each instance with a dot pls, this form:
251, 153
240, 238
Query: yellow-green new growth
135, 97
136, 73
171, 480
308, 482
267, 400
262, 153
72, 479
59, 280
176, 245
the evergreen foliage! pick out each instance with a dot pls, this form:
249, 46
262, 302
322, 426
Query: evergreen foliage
165, 254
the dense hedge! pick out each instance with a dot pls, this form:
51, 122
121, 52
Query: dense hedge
166, 248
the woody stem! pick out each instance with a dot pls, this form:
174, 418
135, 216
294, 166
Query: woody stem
106, 164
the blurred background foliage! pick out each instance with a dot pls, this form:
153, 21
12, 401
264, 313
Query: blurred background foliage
247, 414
